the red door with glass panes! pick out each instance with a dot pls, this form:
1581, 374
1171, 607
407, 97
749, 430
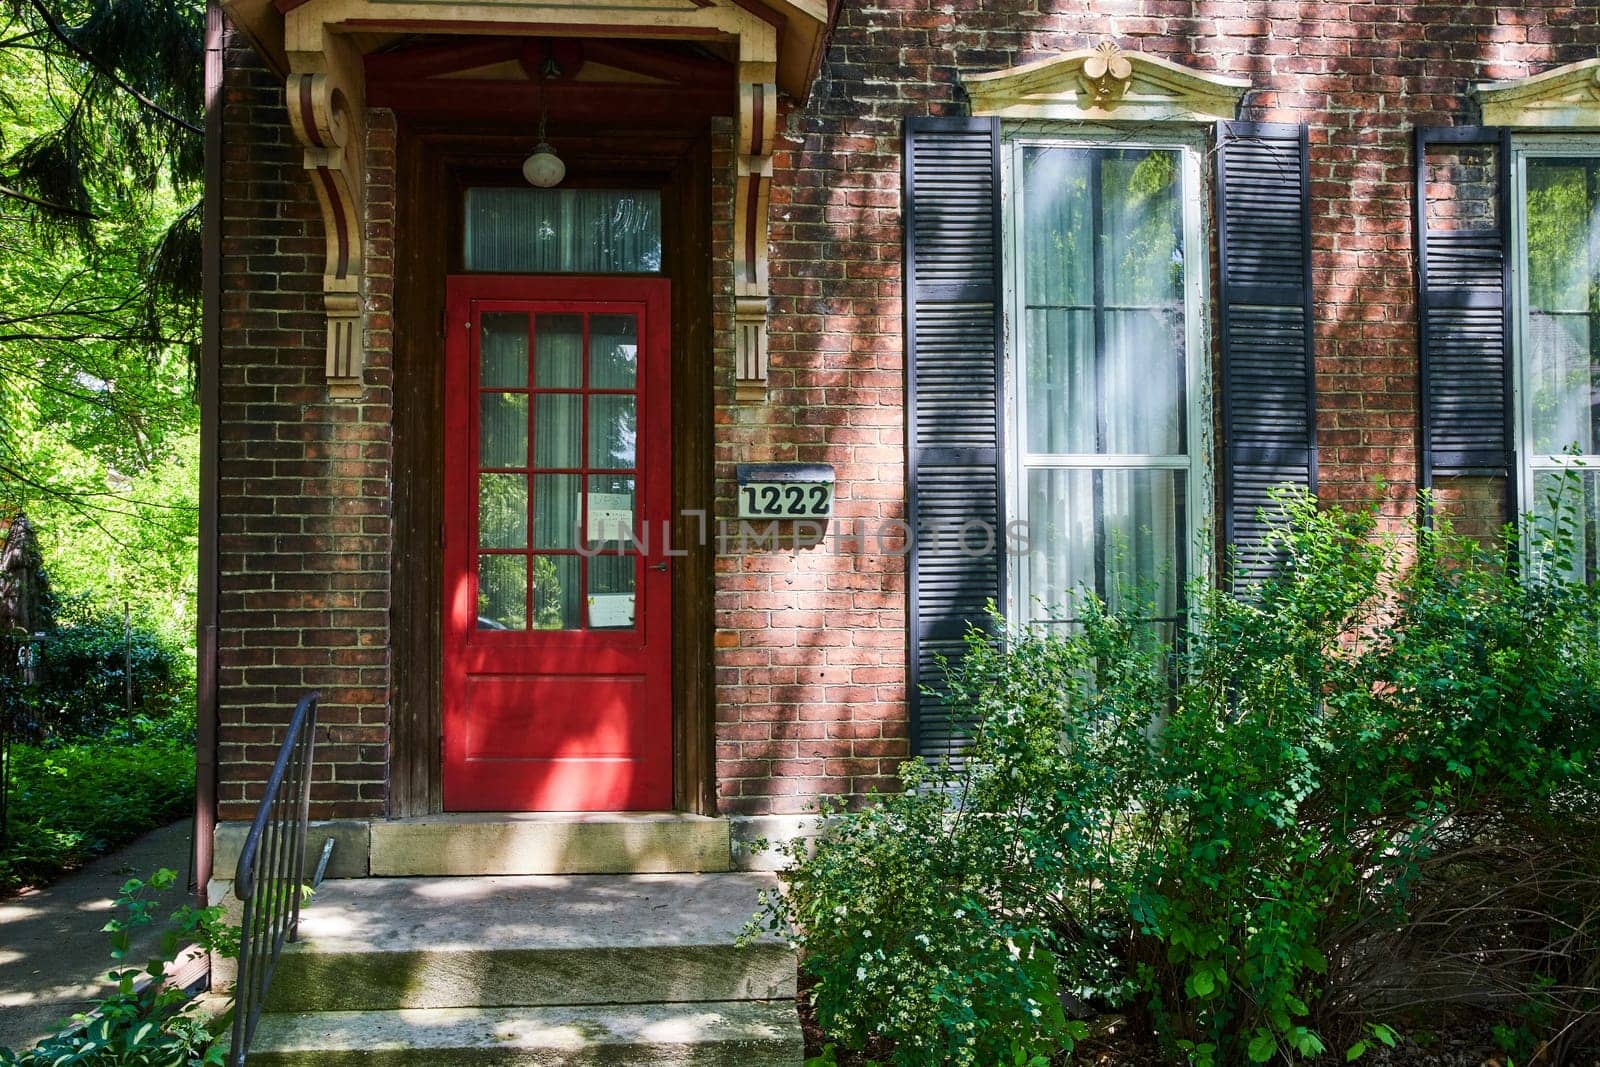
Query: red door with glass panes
557, 613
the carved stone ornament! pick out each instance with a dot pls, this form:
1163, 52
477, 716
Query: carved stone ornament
1106, 72
1563, 98
1106, 83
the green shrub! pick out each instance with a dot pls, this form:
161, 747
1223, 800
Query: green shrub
1252, 841
145, 1022
70, 803
79, 688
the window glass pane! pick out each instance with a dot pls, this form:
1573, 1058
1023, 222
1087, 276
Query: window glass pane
503, 511
1058, 226
1141, 235
1103, 295
611, 517
503, 346
558, 351
611, 592
557, 429
555, 510
613, 351
613, 431
1120, 534
557, 593
1567, 510
502, 592
1562, 369
543, 231
503, 430
1142, 377
1060, 380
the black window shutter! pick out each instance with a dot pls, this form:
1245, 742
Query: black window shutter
1268, 385
1464, 317
954, 462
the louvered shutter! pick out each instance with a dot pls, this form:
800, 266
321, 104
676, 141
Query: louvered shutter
1462, 214
953, 413
1268, 386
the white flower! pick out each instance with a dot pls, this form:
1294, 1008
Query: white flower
861, 974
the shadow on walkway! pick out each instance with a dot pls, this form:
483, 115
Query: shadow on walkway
53, 954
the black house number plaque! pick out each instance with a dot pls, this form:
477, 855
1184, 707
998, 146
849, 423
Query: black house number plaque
785, 490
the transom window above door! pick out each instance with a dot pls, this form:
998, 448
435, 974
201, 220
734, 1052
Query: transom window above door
522, 230
1105, 277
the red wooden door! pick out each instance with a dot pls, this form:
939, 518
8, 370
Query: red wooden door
557, 613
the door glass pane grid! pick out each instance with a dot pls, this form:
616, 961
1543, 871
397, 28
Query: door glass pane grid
570, 436
1102, 279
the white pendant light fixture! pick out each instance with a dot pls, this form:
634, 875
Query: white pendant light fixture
544, 168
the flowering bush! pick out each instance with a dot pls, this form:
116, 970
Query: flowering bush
1250, 837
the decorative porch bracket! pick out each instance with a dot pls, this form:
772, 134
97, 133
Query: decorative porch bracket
327, 111
758, 125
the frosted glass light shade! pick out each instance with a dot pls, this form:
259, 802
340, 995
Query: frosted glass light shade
544, 168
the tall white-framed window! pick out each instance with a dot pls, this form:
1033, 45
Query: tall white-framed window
1555, 241
1107, 376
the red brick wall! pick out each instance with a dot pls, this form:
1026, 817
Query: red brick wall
304, 483
810, 643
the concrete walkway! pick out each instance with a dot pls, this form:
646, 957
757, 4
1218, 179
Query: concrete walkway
53, 954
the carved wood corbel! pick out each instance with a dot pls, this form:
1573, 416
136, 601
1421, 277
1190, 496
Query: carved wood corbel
758, 127
325, 98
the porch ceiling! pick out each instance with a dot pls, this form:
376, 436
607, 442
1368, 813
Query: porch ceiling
489, 78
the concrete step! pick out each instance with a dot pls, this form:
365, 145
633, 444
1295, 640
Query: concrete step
738, 1034
549, 843
386, 943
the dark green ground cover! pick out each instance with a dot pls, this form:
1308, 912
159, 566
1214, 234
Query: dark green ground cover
72, 802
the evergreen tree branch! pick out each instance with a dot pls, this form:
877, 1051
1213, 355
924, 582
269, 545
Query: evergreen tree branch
60, 34
48, 205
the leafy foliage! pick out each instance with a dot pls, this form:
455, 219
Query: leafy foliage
1267, 843
144, 1025
80, 689
71, 803
99, 317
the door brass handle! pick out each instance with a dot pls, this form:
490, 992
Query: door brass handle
659, 566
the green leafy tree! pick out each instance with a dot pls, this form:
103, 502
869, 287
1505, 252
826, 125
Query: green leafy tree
101, 156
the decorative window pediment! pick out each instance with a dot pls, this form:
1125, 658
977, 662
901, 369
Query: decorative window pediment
1565, 97
1106, 83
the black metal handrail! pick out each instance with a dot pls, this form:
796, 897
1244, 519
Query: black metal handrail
271, 873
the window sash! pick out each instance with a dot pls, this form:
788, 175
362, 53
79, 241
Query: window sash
1534, 465
1191, 465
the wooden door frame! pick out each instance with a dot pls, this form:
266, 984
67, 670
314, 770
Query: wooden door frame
433, 168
